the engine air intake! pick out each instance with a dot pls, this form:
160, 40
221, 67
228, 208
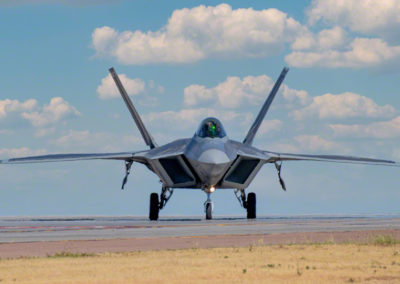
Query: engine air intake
175, 170
242, 171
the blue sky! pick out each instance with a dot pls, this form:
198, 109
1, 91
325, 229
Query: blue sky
183, 61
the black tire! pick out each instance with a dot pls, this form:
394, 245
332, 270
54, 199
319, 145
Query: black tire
208, 211
251, 205
154, 207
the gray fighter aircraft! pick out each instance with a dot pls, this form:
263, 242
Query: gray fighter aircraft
207, 161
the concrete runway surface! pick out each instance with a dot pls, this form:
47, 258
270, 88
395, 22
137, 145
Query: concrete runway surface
35, 229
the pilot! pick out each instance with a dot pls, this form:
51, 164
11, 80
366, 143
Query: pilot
211, 129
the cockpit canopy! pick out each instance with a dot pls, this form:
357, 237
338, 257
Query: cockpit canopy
211, 127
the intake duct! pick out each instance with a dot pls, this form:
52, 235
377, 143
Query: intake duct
175, 170
242, 171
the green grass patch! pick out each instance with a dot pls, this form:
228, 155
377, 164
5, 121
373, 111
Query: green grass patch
386, 240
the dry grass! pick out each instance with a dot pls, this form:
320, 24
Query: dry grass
310, 263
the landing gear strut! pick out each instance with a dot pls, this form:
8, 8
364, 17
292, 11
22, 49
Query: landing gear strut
128, 165
248, 203
241, 197
165, 195
156, 205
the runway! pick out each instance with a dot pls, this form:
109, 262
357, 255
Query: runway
43, 236
39, 229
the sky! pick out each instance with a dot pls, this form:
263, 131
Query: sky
180, 62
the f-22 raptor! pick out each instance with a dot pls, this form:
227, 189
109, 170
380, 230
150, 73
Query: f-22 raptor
208, 161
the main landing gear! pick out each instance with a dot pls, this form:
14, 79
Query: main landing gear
158, 202
156, 205
249, 203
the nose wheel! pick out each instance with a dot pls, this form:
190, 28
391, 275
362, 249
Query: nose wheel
208, 207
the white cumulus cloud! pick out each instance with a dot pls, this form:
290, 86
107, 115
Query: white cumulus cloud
370, 17
201, 32
361, 52
345, 105
43, 118
57, 110
374, 38
8, 106
234, 92
380, 130
325, 39
108, 90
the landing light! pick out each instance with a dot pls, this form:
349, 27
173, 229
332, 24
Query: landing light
212, 189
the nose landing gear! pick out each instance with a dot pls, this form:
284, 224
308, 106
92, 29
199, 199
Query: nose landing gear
208, 207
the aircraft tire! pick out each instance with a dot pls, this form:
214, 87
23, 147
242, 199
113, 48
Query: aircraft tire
154, 207
251, 205
208, 211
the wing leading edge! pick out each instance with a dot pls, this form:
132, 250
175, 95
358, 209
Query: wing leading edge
124, 156
275, 157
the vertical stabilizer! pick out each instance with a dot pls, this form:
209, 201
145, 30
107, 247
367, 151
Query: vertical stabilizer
145, 134
260, 117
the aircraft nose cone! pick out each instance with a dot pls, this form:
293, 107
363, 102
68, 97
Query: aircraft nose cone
213, 156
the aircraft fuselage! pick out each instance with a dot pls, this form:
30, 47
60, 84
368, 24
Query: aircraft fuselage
204, 163
210, 158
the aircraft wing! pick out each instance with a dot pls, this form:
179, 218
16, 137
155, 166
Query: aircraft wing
274, 157
125, 156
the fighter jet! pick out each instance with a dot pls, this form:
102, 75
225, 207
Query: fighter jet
208, 161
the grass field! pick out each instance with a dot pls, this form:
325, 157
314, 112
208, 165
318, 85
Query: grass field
376, 262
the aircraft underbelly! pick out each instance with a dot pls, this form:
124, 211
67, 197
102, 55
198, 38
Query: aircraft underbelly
209, 173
